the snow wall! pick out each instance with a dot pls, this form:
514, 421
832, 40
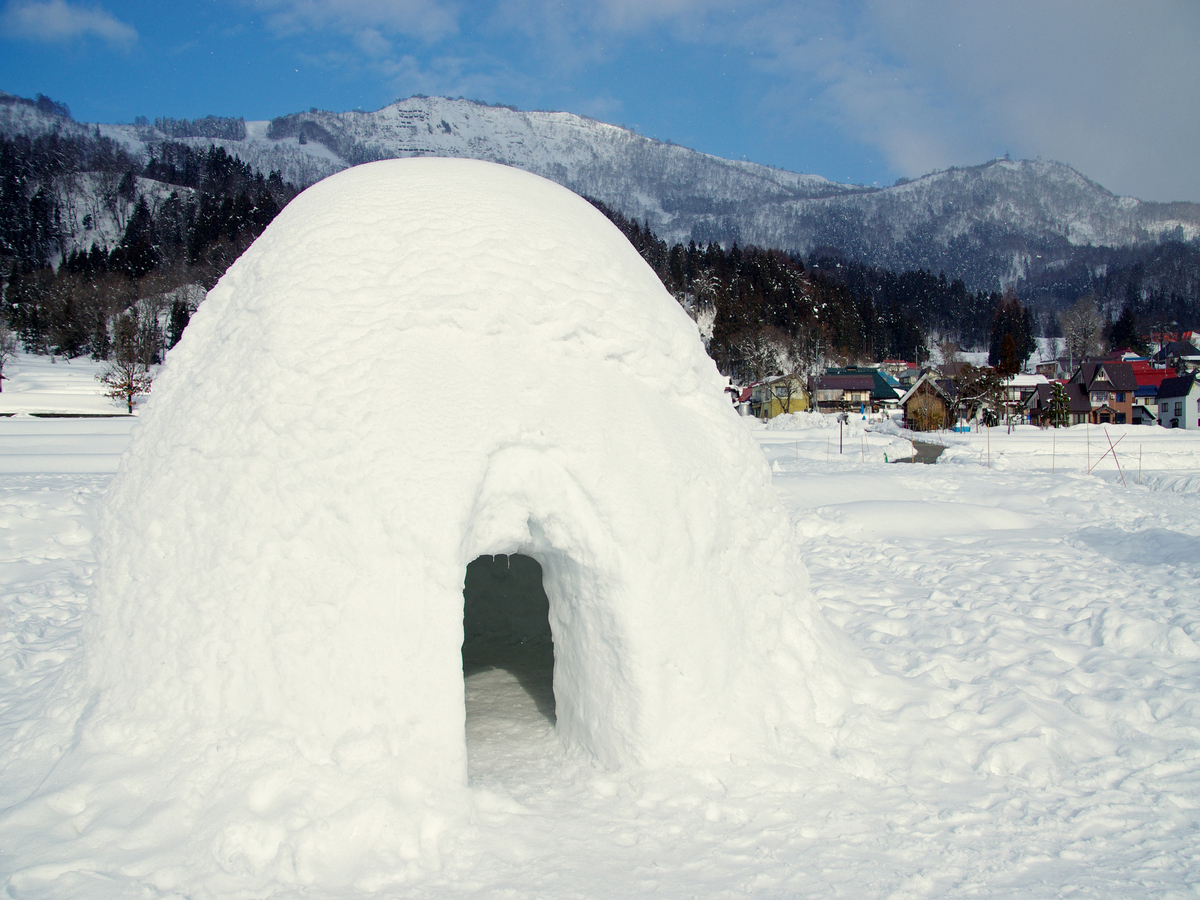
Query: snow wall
420, 362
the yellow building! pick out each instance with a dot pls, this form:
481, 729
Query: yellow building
778, 396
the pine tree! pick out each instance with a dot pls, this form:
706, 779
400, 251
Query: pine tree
180, 316
1011, 320
1124, 332
1060, 406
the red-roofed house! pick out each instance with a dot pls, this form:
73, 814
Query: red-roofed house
1145, 396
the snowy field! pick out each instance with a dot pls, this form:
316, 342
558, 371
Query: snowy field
1053, 614
48, 385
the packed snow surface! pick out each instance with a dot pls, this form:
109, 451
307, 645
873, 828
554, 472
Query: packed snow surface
1056, 623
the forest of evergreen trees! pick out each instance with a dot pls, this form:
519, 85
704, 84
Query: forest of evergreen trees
772, 310
1157, 282
66, 300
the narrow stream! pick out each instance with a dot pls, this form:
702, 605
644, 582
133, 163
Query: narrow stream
926, 453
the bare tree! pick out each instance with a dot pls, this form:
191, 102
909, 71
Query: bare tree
126, 380
1083, 328
976, 389
8, 348
951, 355
759, 351
127, 376
707, 288
789, 392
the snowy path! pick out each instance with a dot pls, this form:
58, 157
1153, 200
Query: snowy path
1055, 615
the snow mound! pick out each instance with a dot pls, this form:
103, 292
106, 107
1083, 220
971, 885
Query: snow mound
801, 421
418, 363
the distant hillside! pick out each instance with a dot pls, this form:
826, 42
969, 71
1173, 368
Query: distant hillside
997, 224
100, 224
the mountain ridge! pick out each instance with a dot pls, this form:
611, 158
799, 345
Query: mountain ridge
991, 224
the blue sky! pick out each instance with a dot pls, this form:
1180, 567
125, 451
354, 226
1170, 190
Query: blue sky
863, 91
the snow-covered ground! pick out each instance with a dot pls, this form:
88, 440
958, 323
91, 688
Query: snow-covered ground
1054, 613
52, 385
1161, 458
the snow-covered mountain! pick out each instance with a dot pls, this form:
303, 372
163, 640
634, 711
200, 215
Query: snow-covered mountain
988, 224
670, 185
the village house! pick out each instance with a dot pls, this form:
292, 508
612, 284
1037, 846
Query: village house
1019, 388
1038, 405
840, 392
1182, 354
1057, 369
1110, 387
1145, 397
778, 396
902, 371
1179, 402
852, 387
929, 403
1145, 405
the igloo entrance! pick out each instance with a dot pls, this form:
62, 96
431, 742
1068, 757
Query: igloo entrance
508, 659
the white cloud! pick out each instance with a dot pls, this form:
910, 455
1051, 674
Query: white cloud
372, 43
1110, 87
838, 64
427, 20
57, 21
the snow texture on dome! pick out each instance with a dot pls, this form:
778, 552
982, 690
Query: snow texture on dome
420, 362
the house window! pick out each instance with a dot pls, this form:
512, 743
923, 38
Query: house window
1179, 407
1120, 396
1162, 408
1120, 418
1099, 398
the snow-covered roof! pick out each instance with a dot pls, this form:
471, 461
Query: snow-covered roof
1022, 380
930, 379
1180, 386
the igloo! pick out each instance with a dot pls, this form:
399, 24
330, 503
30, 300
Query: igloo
419, 363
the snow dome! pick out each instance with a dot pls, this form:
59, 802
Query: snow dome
419, 363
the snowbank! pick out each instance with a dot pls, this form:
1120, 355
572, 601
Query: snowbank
816, 435
271, 686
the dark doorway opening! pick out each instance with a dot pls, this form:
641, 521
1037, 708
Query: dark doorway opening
508, 650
